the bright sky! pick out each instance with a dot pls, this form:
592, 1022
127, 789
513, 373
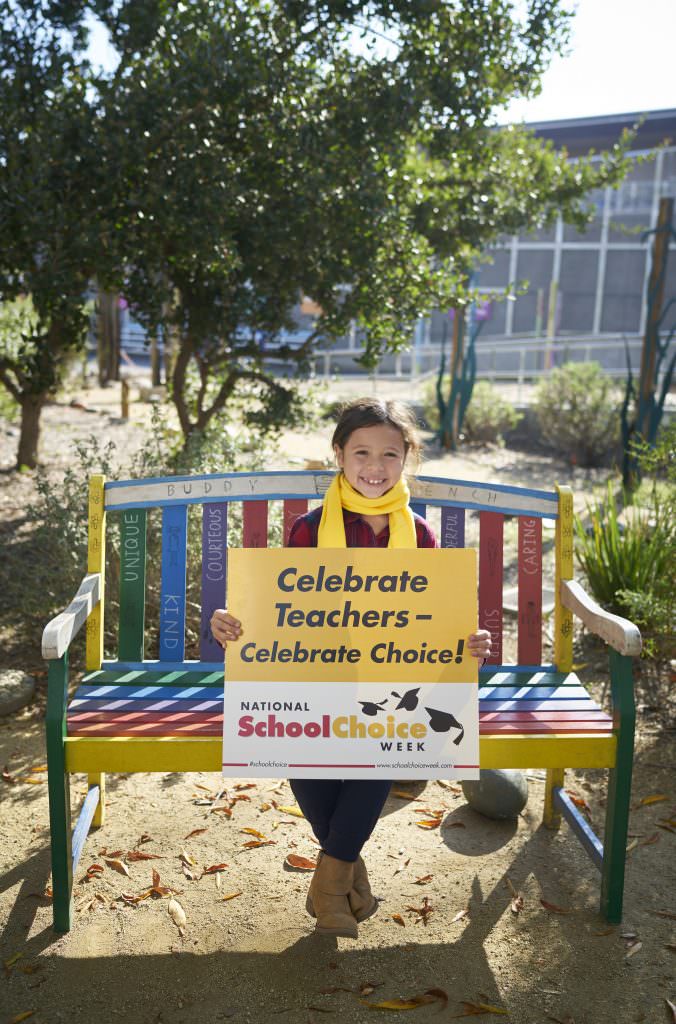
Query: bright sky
622, 60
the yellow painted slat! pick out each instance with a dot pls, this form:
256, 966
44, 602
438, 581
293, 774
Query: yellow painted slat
96, 562
563, 618
121, 754
558, 750
159, 754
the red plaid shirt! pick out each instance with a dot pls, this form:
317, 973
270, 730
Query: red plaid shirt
358, 533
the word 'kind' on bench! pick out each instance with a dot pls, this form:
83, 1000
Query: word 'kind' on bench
134, 714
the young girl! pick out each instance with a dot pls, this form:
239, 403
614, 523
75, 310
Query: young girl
367, 505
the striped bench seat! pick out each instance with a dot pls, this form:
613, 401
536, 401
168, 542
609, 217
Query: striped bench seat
103, 706
136, 714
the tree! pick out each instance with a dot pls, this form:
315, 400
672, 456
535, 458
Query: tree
263, 157
48, 201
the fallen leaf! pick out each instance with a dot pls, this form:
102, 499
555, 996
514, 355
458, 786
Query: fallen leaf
22, 1016
632, 845
240, 796
222, 809
265, 807
195, 832
476, 1009
665, 913
39, 768
189, 873
449, 785
231, 896
253, 832
429, 823
7, 777
672, 1007
117, 865
400, 1004
423, 880
399, 919
295, 810
246, 785
214, 869
367, 988
655, 798
136, 855
300, 863
187, 858
553, 908
510, 886
177, 915
654, 838
403, 794
606, 931
199, 785
94, 871
423, 912
633, 949
33, 782
145, 838
461, 915
9, 963
433, 812
255, 843
516, 905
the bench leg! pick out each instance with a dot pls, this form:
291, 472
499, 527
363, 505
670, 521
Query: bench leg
98, 779
59, 800
552, 815
619, 789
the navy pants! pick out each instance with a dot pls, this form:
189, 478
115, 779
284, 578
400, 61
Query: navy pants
342, 813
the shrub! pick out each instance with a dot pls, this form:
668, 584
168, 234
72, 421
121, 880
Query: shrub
630, 567
488, 414
578, 412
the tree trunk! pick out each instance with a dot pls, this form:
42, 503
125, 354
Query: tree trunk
31, 408
178, 387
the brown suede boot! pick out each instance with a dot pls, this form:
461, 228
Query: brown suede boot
327, 898
362, 901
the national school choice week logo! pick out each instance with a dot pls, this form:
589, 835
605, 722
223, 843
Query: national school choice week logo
392, 732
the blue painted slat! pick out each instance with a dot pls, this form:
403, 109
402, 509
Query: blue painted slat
532, 692
114, 703
517, 669
172, 598
452, 527
109, 691
214, 572
419, 508
580, 826
83, 822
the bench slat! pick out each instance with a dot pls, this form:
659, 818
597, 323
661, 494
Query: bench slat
490, 580
132, 584
255, 529
530, 590
452, 528
293, 508
214, 572
172, 597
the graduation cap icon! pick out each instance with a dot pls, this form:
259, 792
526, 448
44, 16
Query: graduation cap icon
409, 702
370, 708
443, 721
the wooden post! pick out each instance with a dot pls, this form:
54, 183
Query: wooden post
124, 397
647, 383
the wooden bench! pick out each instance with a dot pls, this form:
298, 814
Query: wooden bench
135, 714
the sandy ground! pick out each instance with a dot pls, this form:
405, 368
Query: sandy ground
254, 957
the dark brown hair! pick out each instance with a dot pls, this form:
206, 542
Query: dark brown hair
372, 412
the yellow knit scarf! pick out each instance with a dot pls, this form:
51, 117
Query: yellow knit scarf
394, 503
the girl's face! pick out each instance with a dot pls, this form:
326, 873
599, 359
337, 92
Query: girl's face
373, 459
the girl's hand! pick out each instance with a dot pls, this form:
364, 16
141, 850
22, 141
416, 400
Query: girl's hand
479, 644
224, 627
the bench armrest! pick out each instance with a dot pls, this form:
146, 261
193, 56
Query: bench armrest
620, 633
59, 632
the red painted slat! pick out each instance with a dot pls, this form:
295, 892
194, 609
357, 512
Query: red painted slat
526, 728
255, 531
530, 591
543, 716
149, 729
293, 507
490, 580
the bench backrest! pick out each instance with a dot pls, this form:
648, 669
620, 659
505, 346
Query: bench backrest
249, 509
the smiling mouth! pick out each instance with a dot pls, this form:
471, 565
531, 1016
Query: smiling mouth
372, 483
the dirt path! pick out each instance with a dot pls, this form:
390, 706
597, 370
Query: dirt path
253, 958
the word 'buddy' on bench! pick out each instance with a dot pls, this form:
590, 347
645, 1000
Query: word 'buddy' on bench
164, 714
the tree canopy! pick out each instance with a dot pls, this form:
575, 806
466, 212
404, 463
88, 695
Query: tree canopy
241, 154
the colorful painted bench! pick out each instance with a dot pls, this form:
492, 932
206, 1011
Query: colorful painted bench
134, 714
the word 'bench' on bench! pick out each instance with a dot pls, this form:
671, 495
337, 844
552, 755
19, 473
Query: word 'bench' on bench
134, 714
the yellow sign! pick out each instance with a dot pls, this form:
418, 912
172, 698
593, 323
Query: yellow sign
353, 615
